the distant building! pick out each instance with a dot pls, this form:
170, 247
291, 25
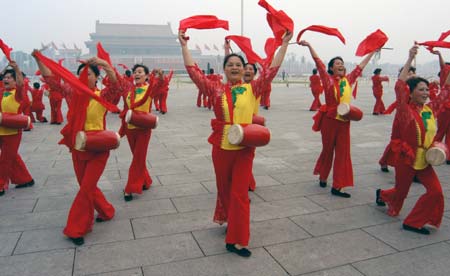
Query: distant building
153, 45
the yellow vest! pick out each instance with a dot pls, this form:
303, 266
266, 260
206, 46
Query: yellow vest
345, 94
95, 115
430, 131
9, 105
242, 113
139, 94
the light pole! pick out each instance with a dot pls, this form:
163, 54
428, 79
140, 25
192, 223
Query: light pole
242, 17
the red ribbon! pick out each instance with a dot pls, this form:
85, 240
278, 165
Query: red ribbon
372, 42
203, 22
278, 21
444, 35
245, 45
6, 50
324, 30
432, 44
101, 53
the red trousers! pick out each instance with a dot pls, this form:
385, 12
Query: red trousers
138, 175
395, 134
379, 107
252, 185
429, 209
233, 171
88, 168
335, 141
39, 116
315, 105
163, 102
27, 111
55, 113
265, 99
12, 168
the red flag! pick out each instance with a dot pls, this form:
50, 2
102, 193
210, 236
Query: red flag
198, 47
64, 46
444, 35
372, 42
278, 21
60, 61
101, 53
6, 50
245, 45
38, 72
203, 22
207, 47
215, 47
324, 30
439, 44
54, 46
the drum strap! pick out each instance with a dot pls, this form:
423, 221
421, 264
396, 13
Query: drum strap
420, 123
229, 101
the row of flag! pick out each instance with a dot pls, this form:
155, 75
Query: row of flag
53, 45
207, 48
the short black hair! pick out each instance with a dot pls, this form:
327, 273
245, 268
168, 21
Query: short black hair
377, 71
136, 66
253, 65
10, 71
331, 63
225, 60
128, 73
36, 85
94, 69
414, 81
314, 71
211, 71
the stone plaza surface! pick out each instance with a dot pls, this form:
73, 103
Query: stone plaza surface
297, 228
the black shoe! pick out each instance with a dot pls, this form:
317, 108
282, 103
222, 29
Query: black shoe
415, 179
339, 193
375, 113
378, 200
162, 112
44, 120
322, 184
127, 197
99, 219
266, 108
448, 162
243, 252
384, 169
423, 230
145, 188
2, 192
27, 129
53, 123
28, 184
77, 241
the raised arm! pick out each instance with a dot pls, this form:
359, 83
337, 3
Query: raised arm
19, 76
45, 72
187, 57
324, 76
366, 60
441, 59
412, 54
227, 47
110, 72
278, 59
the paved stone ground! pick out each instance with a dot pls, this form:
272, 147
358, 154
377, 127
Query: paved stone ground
297, 228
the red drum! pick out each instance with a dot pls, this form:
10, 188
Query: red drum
17, 121
259, 120
141, 119
349, 112
437, 154
252, 135
97, 141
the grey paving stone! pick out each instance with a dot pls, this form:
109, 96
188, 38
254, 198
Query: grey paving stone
341, 220
174, 179
360, 196
429, 260
212, 241
328, 251
395, 236
48, 239
260, 264
151, 251
173, 223
288, 191
292, 177
8, 242
143, 208
283, 208
57, 262
337, 271
23, 222
12, 206
128, 272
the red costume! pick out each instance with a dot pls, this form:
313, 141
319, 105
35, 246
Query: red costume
444, 116
26, 104
12, 168
416, 134
335, 130
377, 88
316, 90
161, 99
56, 98
37, 105
232, 164
139, 98
88, 166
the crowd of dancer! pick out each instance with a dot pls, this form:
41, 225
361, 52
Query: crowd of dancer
418, 125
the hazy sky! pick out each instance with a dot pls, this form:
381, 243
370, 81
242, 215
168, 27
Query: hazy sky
34, 21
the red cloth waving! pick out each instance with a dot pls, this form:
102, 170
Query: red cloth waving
245, 45
6, 50
269, 48
372, 42
432, 44
324, 30
203, 22
102, 54
278, 21
444, 35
